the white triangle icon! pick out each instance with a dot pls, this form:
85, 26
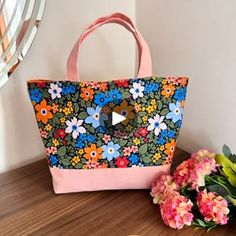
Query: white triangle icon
117, 118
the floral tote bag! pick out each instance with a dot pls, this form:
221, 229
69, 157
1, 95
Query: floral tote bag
109, 135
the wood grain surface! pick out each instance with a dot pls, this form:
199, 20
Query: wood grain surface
28, 206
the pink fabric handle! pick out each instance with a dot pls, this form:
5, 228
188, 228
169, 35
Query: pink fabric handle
145, 62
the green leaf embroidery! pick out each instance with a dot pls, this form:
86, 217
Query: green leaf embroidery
83, 115
56, 120
143, 149
139, 120
142, 113
164, 112
147, 159
65, 161
62, 151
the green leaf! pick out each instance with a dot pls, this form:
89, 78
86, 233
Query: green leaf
232, 200
126, 94
159, 105
56, 120
143, 149
171, 125
226, 151
164, 112
229, 168
65, 162
83, 115
60, 115
79, 166
142, 113
232, 158
147, 159
61, 151
76, 107
218, 189
139, 120
123, 142
99, 143
151, 95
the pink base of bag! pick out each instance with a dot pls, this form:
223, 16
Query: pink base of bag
73, 180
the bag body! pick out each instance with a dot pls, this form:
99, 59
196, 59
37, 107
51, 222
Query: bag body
118, 134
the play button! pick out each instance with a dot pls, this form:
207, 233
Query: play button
121, 118
117, 118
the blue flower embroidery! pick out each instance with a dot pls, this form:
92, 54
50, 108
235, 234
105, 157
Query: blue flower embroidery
171, 134
68, 89
161, 140
91, 138
134, 158
101, 99
53, 159
175, 113
94, 116
151, 88
115, 95
79, 144
36, 95
110, 151
180, 94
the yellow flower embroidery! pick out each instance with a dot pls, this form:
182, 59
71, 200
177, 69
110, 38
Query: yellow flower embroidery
69, 104
48, 127
136, 141
81, 151
150, 109
156, 157
153, 102
63, 120
67, 111
75, 160
55, 142
145, 118
162, 148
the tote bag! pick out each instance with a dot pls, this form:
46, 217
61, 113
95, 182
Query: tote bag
119, 134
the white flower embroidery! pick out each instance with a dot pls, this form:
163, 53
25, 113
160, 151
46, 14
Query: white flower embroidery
137, 90
55, 91
156, 124
74, 127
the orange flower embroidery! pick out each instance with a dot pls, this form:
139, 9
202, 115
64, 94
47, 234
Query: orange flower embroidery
43, 112
170, 148
93, 153
103, 86
168, 90
87, 93
184, 81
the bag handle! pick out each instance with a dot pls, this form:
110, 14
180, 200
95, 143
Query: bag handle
145, 62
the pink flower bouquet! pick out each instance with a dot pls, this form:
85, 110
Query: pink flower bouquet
202, 191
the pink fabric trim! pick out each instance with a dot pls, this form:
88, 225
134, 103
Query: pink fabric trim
72, 180
145, 62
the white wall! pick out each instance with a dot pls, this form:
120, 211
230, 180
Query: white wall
197, 38
107, 54
186, 37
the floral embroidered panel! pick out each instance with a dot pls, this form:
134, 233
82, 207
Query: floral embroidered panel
74, 119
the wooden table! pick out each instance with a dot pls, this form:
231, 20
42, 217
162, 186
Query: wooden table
28, 206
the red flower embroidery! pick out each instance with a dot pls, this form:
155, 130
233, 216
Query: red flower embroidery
142, 131
121, 162
60, 133
122, 83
